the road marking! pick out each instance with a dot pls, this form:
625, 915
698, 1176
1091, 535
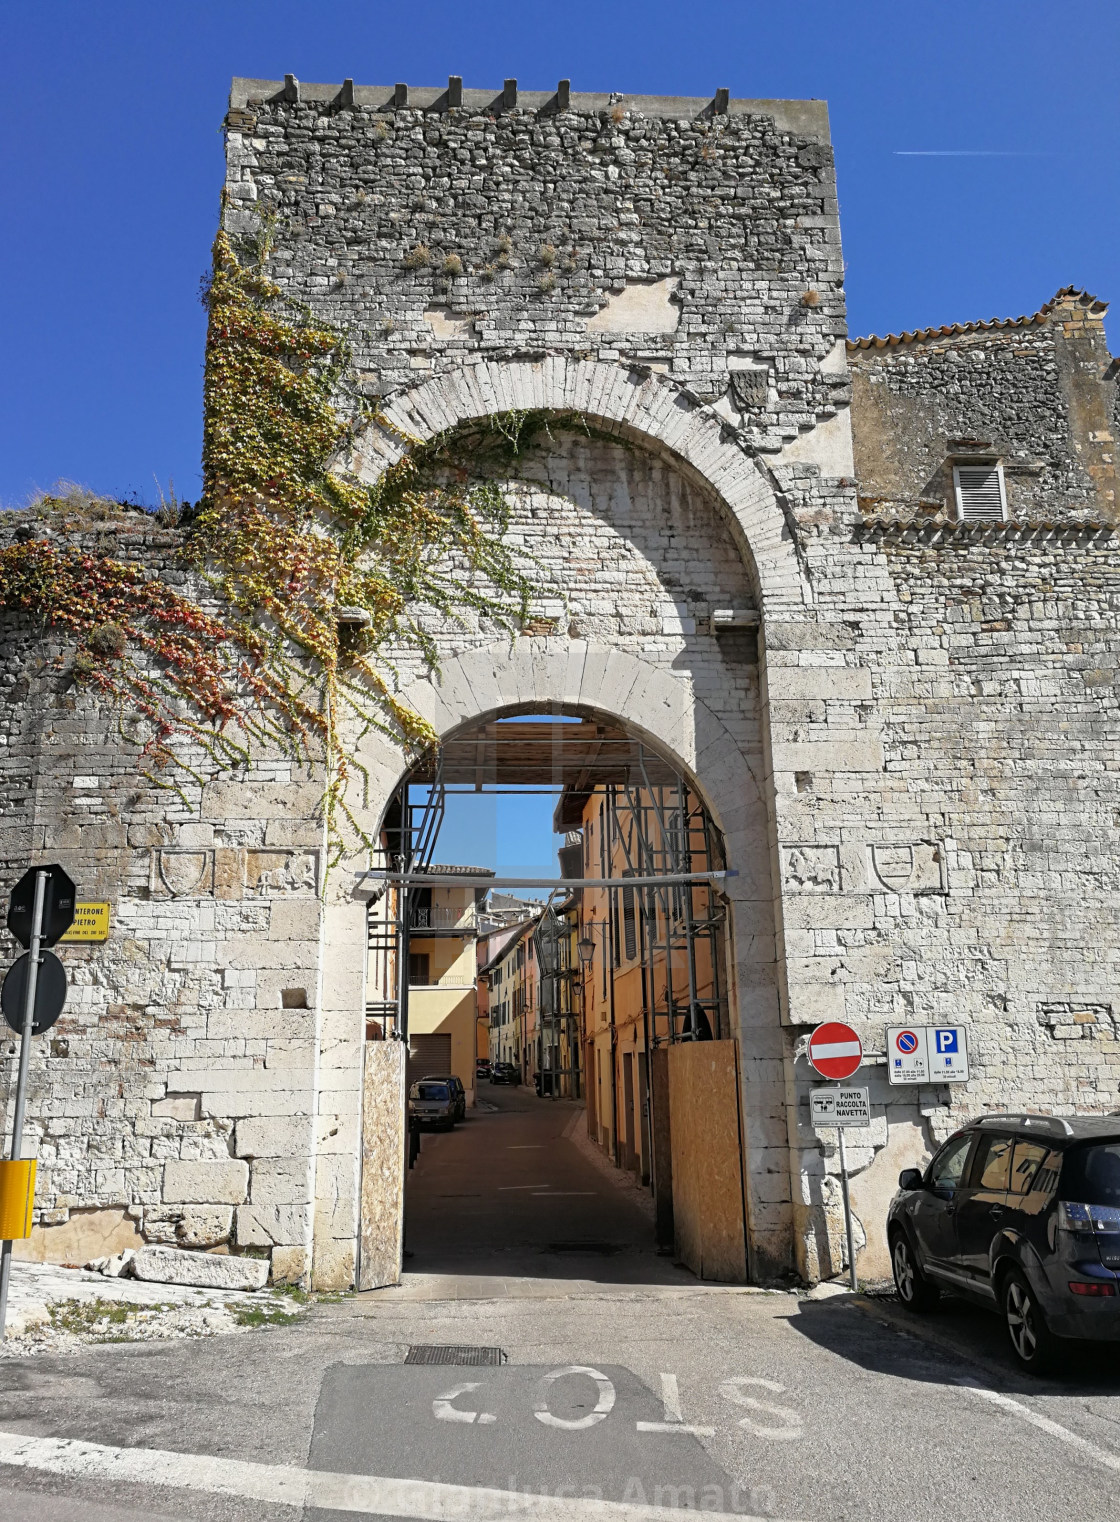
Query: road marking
368, 1495
674, 1417
512, 1188
569, 1194
1043, 1423
603, 1406
444, 1411
791, 1431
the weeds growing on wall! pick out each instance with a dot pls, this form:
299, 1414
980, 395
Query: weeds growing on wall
312, 573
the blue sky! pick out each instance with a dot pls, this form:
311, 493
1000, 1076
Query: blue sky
976, 146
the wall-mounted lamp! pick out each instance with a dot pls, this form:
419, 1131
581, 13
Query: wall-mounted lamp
586, 948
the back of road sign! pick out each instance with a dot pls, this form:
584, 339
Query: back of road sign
58, 905
50, 992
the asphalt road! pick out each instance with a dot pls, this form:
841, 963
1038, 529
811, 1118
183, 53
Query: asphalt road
670, 1395
511, 1194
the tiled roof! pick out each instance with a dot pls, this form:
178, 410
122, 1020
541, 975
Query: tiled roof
458, 871
1069, 294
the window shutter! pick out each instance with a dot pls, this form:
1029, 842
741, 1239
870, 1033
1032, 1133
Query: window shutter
979, 494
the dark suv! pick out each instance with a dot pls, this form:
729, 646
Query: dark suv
1022, 1213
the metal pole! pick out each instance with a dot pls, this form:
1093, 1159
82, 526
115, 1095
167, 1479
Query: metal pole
852, 1280
41, 880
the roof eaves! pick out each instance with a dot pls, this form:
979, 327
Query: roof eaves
955, 329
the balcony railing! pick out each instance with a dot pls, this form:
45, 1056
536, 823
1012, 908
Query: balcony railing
443, 917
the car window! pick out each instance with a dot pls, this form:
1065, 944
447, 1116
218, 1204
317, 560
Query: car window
948, 1166
1092, 1174
1025, 1162
992, 1168
430, 1091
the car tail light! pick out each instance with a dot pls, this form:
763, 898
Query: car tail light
1103, 1219
1079, 1287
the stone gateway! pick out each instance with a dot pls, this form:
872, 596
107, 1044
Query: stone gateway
864, 595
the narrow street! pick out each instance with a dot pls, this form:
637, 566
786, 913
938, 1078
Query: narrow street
512, 1377
515, 1194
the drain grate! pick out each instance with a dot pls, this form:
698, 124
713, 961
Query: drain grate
456, 1355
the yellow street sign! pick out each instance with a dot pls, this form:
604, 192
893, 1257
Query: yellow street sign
91, 923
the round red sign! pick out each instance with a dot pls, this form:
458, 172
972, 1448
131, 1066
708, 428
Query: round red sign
835, 1050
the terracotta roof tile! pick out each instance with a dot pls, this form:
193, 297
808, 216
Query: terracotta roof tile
1069, 294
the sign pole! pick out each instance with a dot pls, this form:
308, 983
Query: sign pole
852, 1279
41, 880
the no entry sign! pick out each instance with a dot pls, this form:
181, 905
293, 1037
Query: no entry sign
835, 1050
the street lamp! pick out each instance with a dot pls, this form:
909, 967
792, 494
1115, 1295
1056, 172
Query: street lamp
586, 948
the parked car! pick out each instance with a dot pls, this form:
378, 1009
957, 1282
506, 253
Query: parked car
431, 1103
482, 1069
1020, 1213
504, 1072
458, 1093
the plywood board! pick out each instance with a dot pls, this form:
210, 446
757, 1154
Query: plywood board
662, 1145
707, 1160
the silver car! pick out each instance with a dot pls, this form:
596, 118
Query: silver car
431, 1103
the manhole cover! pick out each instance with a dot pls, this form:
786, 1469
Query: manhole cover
602, 1249
457, 1355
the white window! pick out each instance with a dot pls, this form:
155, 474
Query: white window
980, 493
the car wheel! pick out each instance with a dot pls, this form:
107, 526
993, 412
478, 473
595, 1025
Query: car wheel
914, 1289
1032, 1342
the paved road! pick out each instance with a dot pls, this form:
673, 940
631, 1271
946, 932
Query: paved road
741, 1403
512, 1194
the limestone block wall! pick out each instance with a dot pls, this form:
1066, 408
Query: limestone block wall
911, 760
174, 1099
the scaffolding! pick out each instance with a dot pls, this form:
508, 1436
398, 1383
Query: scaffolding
558, 1013
665, 902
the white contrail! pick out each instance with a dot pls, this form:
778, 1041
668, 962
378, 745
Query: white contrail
969, 153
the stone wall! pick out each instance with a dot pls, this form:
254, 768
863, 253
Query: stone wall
659, 232
1030, 391
173, 1099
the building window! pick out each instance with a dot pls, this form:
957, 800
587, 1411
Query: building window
629, 920
419, 969
981, 497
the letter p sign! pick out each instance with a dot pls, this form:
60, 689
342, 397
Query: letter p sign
948, 1054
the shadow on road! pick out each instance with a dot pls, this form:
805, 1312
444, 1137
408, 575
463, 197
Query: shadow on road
955, 1342
508, 1194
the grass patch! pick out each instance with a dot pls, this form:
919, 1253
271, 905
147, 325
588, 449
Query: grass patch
98, 1320
266, 1314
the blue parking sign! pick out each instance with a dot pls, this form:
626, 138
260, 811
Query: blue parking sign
948, 1054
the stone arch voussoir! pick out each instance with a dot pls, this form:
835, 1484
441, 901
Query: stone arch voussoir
643, 405
649, 700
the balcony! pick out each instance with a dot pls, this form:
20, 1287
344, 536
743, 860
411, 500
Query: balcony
443, 919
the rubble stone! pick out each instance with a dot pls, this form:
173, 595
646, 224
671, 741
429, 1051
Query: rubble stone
167, 1265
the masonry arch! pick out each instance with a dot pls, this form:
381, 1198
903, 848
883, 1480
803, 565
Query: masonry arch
533, 676
632, 401
673, 683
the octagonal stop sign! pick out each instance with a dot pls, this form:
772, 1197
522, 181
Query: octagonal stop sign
58, 905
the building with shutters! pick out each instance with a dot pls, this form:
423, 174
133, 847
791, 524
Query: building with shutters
442, 1001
